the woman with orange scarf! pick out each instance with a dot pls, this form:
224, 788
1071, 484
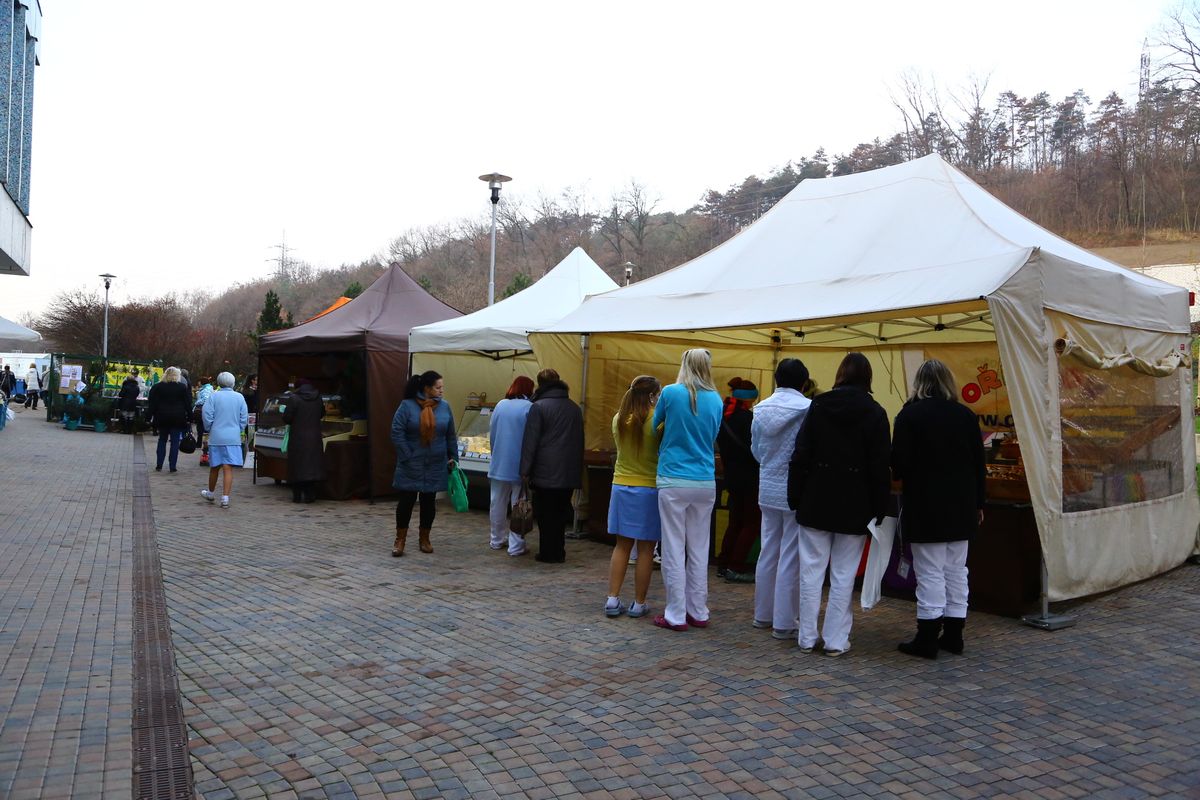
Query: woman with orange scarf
426, 448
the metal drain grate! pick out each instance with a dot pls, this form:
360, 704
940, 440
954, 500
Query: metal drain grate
162, 767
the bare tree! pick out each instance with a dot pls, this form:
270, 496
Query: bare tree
1179, 40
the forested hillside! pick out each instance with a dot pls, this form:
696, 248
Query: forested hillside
1100, 170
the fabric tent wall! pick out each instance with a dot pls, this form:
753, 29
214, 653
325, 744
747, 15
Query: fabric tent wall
387, 373
465, 373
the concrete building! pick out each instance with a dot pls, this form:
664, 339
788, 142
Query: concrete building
1185, 275
20, 31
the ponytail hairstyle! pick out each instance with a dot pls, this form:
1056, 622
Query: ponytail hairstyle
418, 383
695, 373
636, 406
522, 386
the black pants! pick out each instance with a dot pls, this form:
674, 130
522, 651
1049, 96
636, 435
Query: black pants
404, 507
552, 511
31, 399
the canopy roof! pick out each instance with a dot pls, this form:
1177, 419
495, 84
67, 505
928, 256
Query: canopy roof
378, 319
504, 326
12, 332
914, 237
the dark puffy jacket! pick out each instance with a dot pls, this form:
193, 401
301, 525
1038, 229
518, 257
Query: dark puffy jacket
938, 453
737, 462
170, 405
305, 455
838, 479
422, 467
127, 397
552, 447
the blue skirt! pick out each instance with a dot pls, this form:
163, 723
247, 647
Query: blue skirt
221, 454
633, 513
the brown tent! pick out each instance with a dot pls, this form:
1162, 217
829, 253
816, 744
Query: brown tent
371, 330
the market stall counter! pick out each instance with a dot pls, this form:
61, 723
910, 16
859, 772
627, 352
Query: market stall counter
475, 452
343, 438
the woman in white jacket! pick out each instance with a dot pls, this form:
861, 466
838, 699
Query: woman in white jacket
772, 439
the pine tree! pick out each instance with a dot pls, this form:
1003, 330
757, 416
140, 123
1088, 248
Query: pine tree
271, 317
353, 290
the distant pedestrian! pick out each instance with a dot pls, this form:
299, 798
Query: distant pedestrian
169, 408
777, 420
689, 411
506, 430
34, 383
127, 399
8, 382
250, 392
838, 481
633, 506
206, 390
937, 452
426, 449
306, 455
741, 483
225, 418
184, 379
552, 462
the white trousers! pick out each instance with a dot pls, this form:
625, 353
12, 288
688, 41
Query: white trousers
686, 523
777, 574
941, 569
504, 497
841, 554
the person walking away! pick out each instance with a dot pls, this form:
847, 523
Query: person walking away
838, 481
937, 452
633, 506
169, 409
689, 412
34, 383
426, 449
741, 483
552, 462
506, 431
225, 418
777, 420
127, 401
8, 381
306, 453
250, 392
206, 391
184, 379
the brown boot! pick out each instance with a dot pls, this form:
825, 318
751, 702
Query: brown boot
426, 547
398, 546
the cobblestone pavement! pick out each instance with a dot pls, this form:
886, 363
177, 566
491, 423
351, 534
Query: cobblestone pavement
65, 612
314, 665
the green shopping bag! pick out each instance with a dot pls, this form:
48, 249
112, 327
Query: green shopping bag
458, 488
287, 432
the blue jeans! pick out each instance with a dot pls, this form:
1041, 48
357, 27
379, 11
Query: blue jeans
175, 434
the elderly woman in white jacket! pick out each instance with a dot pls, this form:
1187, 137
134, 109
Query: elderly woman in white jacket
772, 439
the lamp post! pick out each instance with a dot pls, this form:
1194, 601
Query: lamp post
494, 181
107, 283
628, 266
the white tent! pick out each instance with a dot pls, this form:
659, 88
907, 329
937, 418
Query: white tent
485, 350
13, 333
916, 261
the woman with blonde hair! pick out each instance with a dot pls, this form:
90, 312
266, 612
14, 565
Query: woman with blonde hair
633, 506
689, 412
937, 452
169, 407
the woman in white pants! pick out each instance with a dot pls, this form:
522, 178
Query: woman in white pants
837, 482
506, 429
772, 440
938, 454
689, 412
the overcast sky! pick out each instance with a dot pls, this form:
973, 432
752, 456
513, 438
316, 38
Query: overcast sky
175, 142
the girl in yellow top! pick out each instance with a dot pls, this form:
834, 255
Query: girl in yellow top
633, 507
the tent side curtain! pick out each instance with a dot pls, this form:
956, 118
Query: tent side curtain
387, 372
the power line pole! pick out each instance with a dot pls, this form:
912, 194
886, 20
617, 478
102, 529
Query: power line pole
283, 269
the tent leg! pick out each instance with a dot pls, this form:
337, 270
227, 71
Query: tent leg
1045, 620
576, 531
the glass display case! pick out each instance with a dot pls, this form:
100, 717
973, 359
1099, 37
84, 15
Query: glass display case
270, 427
474, 443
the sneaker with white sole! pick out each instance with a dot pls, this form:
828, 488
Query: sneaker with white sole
837, 653
784, 633
207, 495
224, 501
762, 623
611, 610
638, 610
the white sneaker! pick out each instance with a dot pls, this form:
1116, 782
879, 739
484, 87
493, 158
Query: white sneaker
225, 501
498, 545
207, 495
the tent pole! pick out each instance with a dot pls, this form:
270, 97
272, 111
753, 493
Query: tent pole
370, 437
1045, 620
254, 471
584, 343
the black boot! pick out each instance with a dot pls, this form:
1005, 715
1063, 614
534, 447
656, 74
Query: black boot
297, 493
309, 493
952, 641
925, 643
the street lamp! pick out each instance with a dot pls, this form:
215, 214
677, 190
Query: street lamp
628, 265
494, 181
107, 283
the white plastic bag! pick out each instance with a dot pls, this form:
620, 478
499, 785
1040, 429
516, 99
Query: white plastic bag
8, 414
877, 560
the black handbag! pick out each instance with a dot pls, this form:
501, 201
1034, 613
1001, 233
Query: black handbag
188, 443
520, 516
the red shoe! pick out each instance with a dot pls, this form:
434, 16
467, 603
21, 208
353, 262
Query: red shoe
204, 460
662, 623
696, 623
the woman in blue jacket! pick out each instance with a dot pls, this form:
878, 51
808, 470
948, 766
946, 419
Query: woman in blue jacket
426, 449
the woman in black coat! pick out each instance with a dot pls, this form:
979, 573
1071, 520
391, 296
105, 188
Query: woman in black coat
170, 408
552, 462
838, 481
127, 401
306, 454
741, 483
938, 454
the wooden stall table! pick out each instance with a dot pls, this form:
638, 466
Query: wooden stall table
345, 470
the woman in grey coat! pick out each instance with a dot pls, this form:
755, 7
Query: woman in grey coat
426, 449
552, 462
305, 455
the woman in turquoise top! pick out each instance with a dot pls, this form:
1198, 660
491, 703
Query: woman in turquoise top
689, 412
